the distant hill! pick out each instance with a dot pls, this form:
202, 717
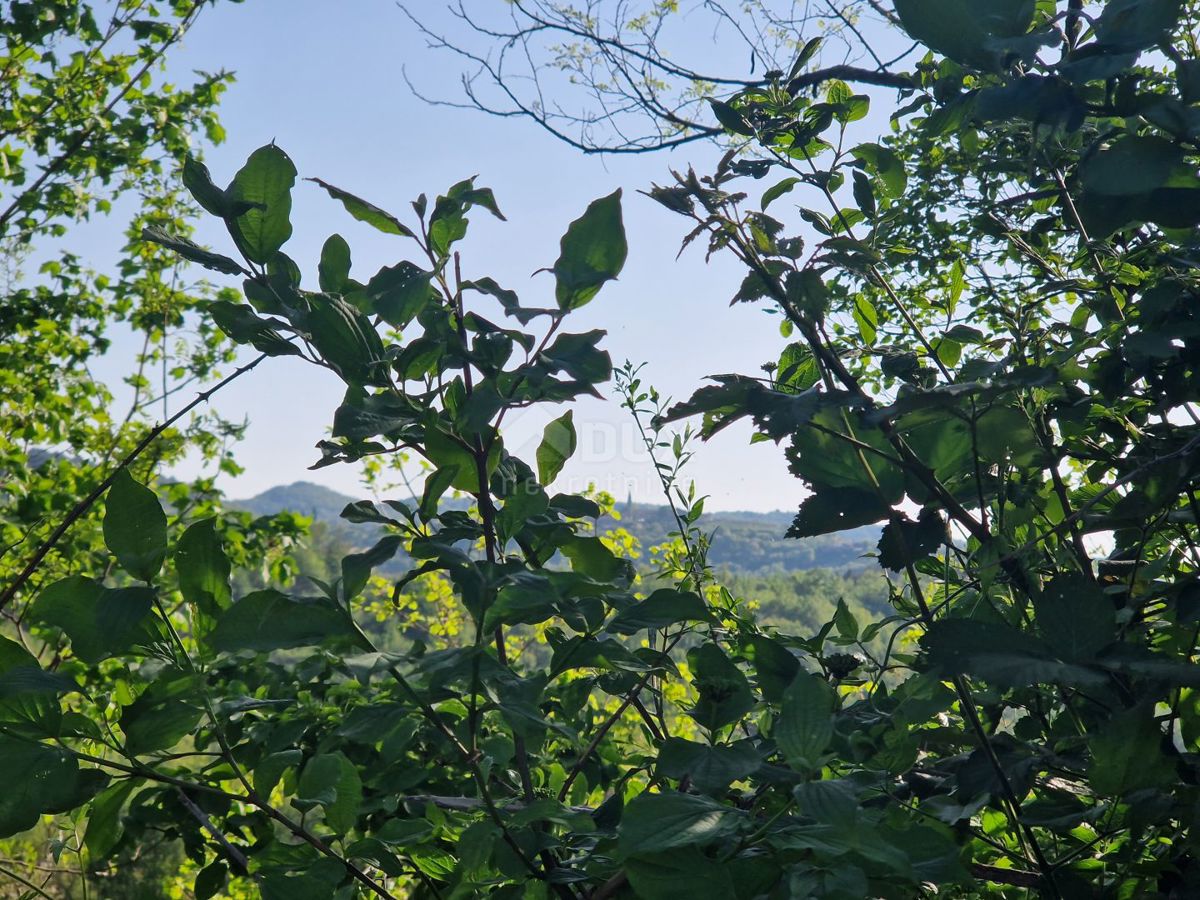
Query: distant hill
747, 542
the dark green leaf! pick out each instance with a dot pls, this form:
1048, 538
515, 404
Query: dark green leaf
203, 567
331, 781
334, 269
664, 607
101, 622
364, 211
593, 252
269, 620
263, 187
557, 446
655, 822
804, 727
38, 779
193, 252
135, 527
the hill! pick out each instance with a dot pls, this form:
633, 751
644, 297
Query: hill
744, 542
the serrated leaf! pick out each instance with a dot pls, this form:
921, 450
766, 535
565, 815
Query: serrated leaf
804, 727
203, 567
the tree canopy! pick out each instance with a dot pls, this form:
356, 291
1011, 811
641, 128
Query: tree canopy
993, 357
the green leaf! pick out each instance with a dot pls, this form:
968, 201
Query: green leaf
105, 826
591, 557
711, 768
356, 568
771, 194
1132, 166
558, 445
364, 211
28, 693
1001, 655
1127, 754
199, 183
192, 251
866, 318
774, 666
203, 568
592, 252
724, 692
163, 715
685, 874
268, 620
828, 511
101, 622
1075, 618
135, 527
664, 607
333, 271
1127, 25
804, 727
264, 186
655, 822
38, 779
399, 292
346, 340
241, 324
331, 781
904, 542
961, 29
730, 118
210, 880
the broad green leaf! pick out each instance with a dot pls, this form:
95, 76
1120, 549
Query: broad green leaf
558, 445
264, 185
1127, 754
199, 183
203, 568
364, 211
804, 727
241, 324
38, 779
1129, 25
105, 825
832, 510
1001, 655
399, 292
711, 768
961, 29
210, 880
101, 622
591, 557
730, 118
268, 620
655, 822
356, 568
775, 666
664, 607
724, 692
593, 252
28, 693
1134, 165
773, 193
334, 269
346, 340
1074, 617
135, 527
679, 875
166, 712
904, 542
332, 781
193, 252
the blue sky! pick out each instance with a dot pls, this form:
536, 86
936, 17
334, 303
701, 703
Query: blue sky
326, 86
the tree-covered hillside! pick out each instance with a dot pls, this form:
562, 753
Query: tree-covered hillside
743, 542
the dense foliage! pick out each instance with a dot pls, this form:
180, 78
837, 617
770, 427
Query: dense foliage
994, 357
